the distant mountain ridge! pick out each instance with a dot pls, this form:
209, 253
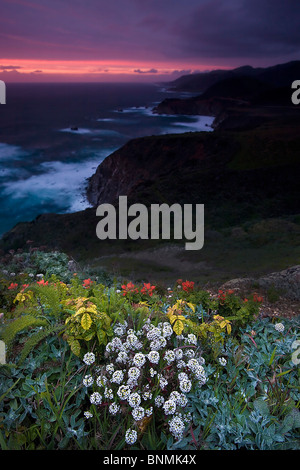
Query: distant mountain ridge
280, 75
227, 94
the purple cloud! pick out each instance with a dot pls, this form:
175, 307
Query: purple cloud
204, 32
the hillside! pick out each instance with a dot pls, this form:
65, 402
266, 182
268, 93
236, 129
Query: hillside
247, 179
276, 76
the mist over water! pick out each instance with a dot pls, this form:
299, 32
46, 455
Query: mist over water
53, 137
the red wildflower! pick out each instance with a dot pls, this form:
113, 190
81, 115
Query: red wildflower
257, 298
147, 289
188, 286
13, 285
87, 283
129, 288
24, 286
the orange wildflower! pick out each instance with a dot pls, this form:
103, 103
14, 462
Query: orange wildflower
42, 282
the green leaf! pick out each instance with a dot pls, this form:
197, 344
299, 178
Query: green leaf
7, 391
283, 373
272, 356
86, 321
75, 346
101, 336
178, 327
88, 335
262, 407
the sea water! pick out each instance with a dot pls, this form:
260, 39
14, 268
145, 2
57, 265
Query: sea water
53, 137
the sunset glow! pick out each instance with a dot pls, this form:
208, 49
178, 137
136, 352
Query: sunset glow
139, 40
16, 70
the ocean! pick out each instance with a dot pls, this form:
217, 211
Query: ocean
53, 137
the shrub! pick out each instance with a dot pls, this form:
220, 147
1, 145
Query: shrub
143, 383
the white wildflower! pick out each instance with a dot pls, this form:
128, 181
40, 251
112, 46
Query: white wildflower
153, 357
134, 399
119, 331
163, 382
130, 436
138, 413
89, 358
153, 333
169, 356
178, 354
167, 330
185, 385
159, 401
279, 327
117, 376
122, 357
222, 361
181, 364
176, 427
182, 401
96, 398
108, 393
139, 359
182, 376
191, 339
189, 353
134, 373
88, 380
132, 340
123, 392
149, 411
101, 381
110, 368
147, 395
169, 407
114, 408
193, 364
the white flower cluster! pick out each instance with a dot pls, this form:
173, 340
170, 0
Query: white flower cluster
145, 373
222, 361
279, 327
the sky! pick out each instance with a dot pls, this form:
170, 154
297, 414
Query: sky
142, 40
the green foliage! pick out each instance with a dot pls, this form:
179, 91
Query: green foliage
40, 400
250, 399
49, 297
86, 324
52, 263
20, 324
36, 338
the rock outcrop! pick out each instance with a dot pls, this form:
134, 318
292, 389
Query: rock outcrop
285, 282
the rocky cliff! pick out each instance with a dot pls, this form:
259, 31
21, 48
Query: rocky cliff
196, 106
141, 162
